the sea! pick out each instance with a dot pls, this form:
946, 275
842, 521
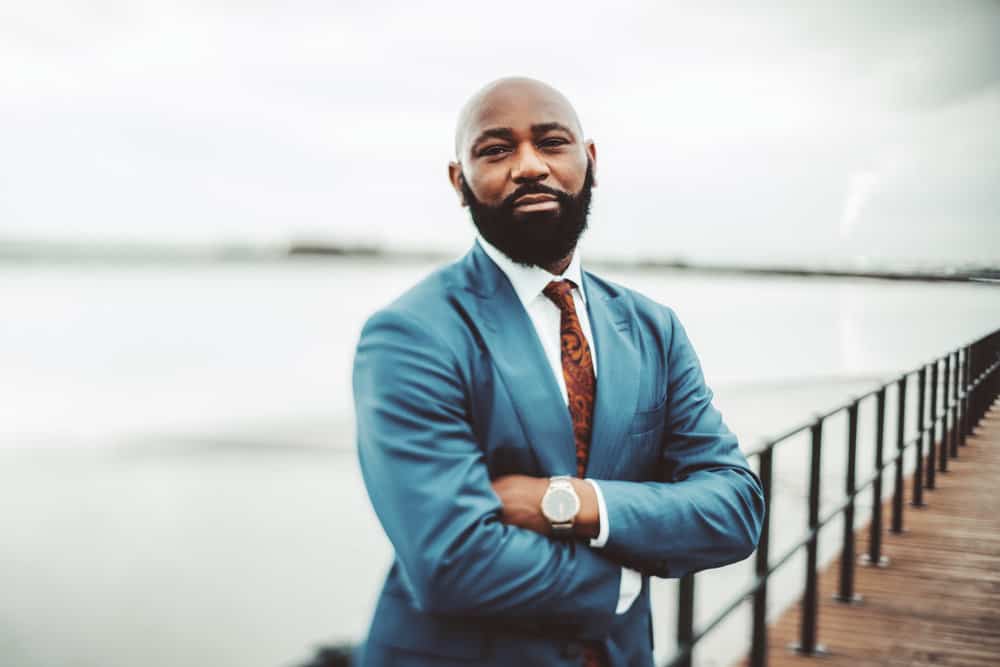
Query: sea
178, 476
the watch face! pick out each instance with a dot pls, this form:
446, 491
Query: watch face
560, 505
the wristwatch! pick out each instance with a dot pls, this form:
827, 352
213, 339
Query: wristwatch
560, 505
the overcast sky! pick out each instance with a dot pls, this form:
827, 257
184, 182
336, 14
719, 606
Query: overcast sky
860, 132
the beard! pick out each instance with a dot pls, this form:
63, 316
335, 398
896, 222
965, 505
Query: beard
533, 239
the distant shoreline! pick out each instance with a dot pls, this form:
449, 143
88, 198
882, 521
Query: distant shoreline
39, 253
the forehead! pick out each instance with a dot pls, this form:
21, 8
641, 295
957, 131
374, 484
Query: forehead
517, 108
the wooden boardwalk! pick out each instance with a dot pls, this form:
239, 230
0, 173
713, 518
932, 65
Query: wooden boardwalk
938, 601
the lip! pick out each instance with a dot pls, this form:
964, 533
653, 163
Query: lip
528, 200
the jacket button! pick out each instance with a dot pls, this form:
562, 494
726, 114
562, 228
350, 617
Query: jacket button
572, 649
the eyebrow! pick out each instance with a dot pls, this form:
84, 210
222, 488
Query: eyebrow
542, 128
507, 133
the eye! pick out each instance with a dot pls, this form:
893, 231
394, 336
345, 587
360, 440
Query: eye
495, 149
553, 142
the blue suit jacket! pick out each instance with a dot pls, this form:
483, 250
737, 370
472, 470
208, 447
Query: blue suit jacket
452, 389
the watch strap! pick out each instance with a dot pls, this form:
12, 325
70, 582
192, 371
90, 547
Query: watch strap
562, 530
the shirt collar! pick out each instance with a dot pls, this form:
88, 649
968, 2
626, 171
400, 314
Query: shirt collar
529, 281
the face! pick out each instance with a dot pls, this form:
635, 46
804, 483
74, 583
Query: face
525, 172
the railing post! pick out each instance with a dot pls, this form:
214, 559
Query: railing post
983, 390
932, 442
971, 400
956, 408
971, 392
989, 379
965, 393
758, 649
995, 391
983, 396
995, 356
970, 420
974, 389
810, 600
977, 411
918, 473
897, 493
993, 380
945, 409
685, 617
846, 592
874, 555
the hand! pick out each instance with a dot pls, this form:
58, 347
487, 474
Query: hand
521, 497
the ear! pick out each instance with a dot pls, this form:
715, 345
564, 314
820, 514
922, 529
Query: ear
591, 149
455, 178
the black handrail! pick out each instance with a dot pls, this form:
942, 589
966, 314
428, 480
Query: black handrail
971, 383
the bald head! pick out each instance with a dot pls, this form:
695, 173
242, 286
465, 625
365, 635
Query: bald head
524, 170
511, 96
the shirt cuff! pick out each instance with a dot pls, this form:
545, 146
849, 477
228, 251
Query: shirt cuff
628, 590
602, 512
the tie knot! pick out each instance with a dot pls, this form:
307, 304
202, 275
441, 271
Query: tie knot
560, 293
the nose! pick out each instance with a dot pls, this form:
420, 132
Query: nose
528, 167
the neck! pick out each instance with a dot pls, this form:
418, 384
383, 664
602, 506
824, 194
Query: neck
558, 267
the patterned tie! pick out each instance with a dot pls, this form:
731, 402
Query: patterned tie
578, 371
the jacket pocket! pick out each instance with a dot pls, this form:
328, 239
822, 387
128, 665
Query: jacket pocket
644, 421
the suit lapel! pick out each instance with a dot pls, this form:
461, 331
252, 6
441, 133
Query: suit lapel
617, 377
518, 356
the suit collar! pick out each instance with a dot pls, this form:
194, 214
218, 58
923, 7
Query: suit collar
513, 344
517, 354
529, 281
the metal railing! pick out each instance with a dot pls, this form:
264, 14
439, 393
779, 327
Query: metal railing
971, 383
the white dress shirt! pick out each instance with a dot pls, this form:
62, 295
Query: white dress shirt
528, 283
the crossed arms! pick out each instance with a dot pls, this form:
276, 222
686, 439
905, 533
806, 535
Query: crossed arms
466, 547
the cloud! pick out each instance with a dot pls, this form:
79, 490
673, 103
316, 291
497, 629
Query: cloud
721, 130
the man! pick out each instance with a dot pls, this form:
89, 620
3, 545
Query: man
536, 441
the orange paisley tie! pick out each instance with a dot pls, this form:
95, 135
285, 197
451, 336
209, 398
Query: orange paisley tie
578, 371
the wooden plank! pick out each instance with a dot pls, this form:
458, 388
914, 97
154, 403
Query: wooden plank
938, 601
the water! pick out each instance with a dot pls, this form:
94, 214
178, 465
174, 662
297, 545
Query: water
177, 477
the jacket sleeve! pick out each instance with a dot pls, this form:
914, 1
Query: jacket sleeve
707, 509
428, 482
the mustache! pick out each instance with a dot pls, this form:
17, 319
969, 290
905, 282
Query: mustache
533, 189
